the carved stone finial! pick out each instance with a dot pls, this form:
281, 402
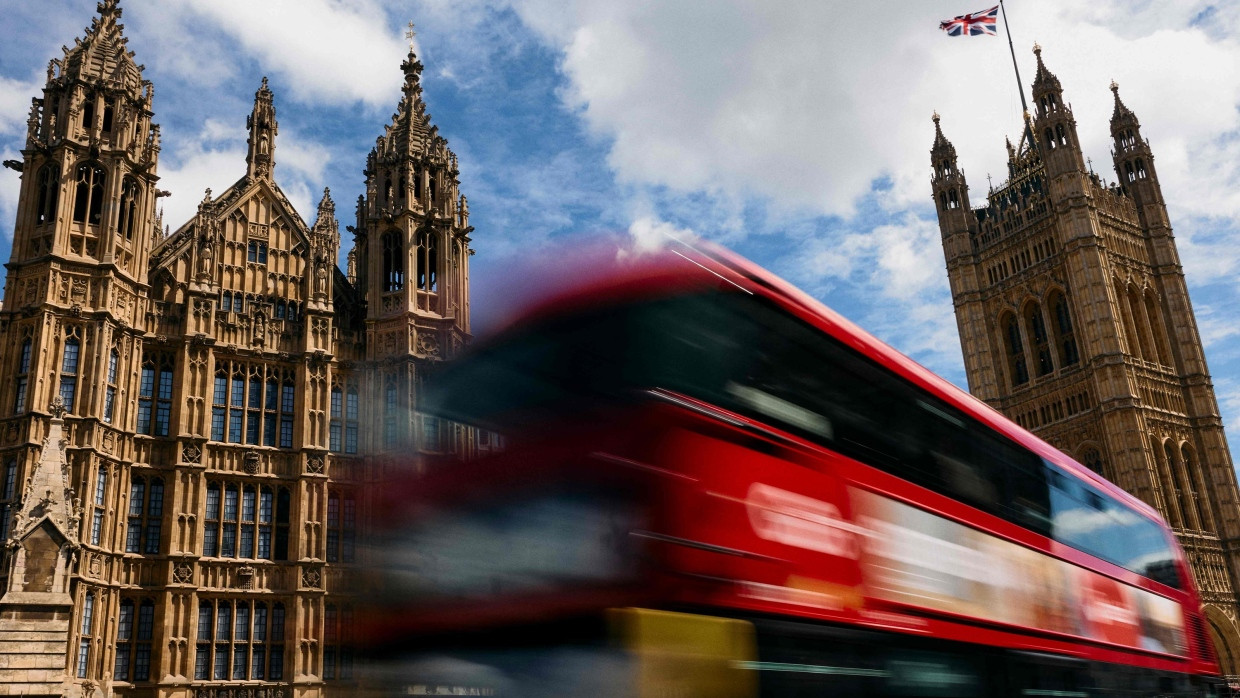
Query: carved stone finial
58, 407
409, 34
1115, 87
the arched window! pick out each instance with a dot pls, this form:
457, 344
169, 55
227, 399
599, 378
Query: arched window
88, 113
943, 200
23, 378
49, 191
387, 190
283, 500
219, 407
87, 634
1018, 371
288, 397
236, 405
1140, 168
88, 197
351, 405
1159, 336
107, 116
1183, 487
335, 432
127, 222
428, 261
1060, 135
1065, 338
8, 493
1137, 311
239, 640
1166, 481
390, 406
68, 373
341, 526
1038, 339
101, 499
155, 396
254, 415
1195, 475
1093, 460
133, 659
337, 634
109, 391
271, 406
1128, 171
1050, 138
393, 262
146, 511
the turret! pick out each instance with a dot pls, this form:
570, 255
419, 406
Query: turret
1134, 161
951, 194
411, 237
1053, 125
91, 152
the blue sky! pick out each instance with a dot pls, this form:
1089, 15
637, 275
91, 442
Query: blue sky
796, 133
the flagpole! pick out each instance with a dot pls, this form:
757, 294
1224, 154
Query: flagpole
1020, 86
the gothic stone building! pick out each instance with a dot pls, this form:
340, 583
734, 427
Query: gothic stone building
1075, 321
184, 418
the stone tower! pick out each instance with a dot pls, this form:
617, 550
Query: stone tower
73, 321
411, 259
189, 421
1075, 321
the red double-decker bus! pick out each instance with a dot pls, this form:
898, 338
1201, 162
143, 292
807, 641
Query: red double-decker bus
712, 485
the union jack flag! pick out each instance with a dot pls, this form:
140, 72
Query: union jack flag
973, 24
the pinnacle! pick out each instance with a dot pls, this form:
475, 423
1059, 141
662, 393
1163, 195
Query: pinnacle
1122, 115
1044, 79
941, 144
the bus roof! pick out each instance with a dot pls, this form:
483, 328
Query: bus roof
603, 275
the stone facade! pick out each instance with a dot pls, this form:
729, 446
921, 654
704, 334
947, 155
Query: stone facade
1075, 321
188, 421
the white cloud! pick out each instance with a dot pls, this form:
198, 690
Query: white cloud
197, 169
325, 50
787, 104
649, 234
15, 98
216, 160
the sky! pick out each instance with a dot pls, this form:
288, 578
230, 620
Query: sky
796, 133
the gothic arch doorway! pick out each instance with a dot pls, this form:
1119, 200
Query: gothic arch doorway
1226, 639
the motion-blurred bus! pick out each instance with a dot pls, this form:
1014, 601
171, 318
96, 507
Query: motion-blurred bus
712, 485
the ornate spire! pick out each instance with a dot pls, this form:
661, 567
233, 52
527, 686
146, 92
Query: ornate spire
326, 221
101, 53
263, 128
942, 147
410, 133
412, 89
1044, 80
1122, 117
